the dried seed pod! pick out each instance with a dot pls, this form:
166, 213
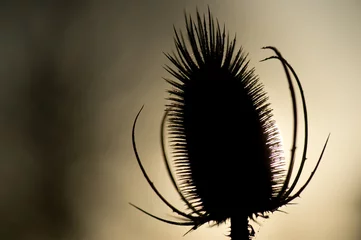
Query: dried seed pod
226, 148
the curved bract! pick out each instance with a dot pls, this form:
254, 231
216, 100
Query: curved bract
226, 148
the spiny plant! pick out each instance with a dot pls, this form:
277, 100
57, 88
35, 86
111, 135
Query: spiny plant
226, 147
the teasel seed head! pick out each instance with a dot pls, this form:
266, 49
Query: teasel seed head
226, 147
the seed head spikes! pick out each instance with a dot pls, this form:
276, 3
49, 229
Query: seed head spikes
226, 148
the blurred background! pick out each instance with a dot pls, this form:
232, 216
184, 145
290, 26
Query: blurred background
74, 74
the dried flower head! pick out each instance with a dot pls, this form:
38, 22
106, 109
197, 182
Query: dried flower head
226, 147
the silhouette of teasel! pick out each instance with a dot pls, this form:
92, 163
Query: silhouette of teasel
227, 150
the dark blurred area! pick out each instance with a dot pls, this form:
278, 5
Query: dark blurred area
41, 109
67, 70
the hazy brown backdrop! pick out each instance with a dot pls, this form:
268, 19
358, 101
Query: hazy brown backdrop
74, 74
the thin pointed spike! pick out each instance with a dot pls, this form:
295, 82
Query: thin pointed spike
164, 220
297, 194
146, 175
190, 230
166, 162
282, 211
177, 217
182, 50
294, 105
212, 39
192, 40
306, 129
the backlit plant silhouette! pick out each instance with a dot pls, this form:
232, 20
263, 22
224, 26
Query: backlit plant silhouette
226, 149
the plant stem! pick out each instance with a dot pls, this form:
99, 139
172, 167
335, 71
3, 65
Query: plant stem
240, 228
